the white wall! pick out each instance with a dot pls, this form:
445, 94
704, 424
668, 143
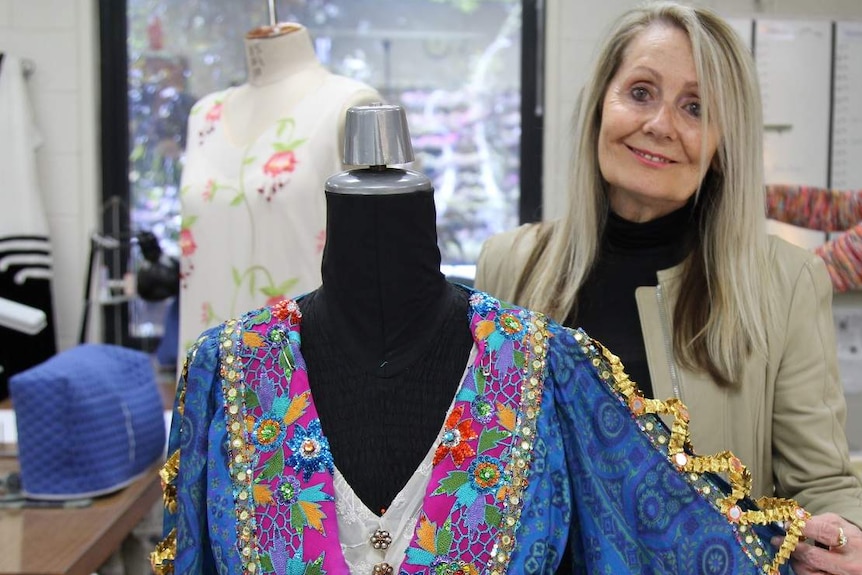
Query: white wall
61, 38
575, 27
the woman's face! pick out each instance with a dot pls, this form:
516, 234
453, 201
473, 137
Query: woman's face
650, 140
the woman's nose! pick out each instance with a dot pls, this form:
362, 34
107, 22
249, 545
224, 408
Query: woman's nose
660, 123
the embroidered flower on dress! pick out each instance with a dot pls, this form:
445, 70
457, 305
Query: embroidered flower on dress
214, 113
268, 433
278, 168
484, 303
310, 451
279, 163
277, 335
288, 491
456, 435
482, 409
211, 118
446, 566
187, 242
486, 474
287, 309
511, 325
209, 190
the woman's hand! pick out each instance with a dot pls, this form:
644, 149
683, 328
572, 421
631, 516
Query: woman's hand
835, 549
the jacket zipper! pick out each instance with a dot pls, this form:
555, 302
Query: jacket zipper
668, 347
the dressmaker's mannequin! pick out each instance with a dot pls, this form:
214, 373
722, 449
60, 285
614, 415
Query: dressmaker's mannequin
386, 339
282, 70
257, 157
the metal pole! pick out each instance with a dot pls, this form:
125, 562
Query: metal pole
273, 13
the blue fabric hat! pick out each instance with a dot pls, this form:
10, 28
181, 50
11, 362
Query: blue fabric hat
90, 421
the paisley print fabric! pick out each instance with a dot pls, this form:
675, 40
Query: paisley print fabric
539, 451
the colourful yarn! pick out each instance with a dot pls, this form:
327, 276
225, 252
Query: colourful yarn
828, 211
814, 208
843, 257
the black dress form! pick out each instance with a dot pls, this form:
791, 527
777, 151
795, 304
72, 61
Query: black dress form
385, 338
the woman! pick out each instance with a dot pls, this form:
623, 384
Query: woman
667, 189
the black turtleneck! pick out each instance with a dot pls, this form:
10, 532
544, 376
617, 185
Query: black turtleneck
385, 338
629, 257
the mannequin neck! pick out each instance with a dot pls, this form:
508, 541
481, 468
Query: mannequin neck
275, 53
382, 284
282, 70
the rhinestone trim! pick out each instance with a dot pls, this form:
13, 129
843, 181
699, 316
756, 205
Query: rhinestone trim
518, 467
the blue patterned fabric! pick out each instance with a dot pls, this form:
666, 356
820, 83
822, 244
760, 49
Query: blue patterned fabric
634, 511
597, 482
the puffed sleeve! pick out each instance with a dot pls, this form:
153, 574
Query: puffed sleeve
547, 511
186, 547
635, 510
810, 452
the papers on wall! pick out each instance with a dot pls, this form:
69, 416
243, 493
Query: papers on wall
847, 114
794, 64
848, 332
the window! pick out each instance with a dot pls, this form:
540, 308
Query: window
455, 66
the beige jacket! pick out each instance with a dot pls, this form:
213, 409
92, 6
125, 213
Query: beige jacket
786, 421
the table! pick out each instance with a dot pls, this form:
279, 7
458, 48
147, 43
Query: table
72, 541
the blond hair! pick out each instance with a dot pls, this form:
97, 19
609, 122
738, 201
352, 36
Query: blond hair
716, 333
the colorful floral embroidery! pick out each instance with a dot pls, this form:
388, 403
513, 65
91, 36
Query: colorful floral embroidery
288, 492
486, 474
482, 410
279, 163
211, 118
456, 438
282, 162
279, 561
472, 509
431, 543
446, 567
511, 325
472, 488
209, 190
310, 451
285, 310
188, 247
214, 113
187, 242
483, 303
277, 168
268, 433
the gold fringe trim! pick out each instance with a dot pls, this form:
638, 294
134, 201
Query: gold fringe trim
162, 558
771, 509
168, 474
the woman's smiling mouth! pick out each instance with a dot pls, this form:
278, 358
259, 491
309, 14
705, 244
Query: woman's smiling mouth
650, 158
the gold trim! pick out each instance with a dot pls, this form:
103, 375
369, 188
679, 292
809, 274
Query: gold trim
518, 468
162, 559
681, 454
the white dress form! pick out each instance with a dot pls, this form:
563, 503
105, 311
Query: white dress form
282, 69
257, 158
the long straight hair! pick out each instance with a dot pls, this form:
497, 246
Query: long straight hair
728, 262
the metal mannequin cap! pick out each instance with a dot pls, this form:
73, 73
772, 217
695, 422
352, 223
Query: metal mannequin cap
377, 135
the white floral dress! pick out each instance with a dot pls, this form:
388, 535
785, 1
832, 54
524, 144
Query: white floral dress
253, 217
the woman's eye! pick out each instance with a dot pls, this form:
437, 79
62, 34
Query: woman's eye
640, 93
693, 108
